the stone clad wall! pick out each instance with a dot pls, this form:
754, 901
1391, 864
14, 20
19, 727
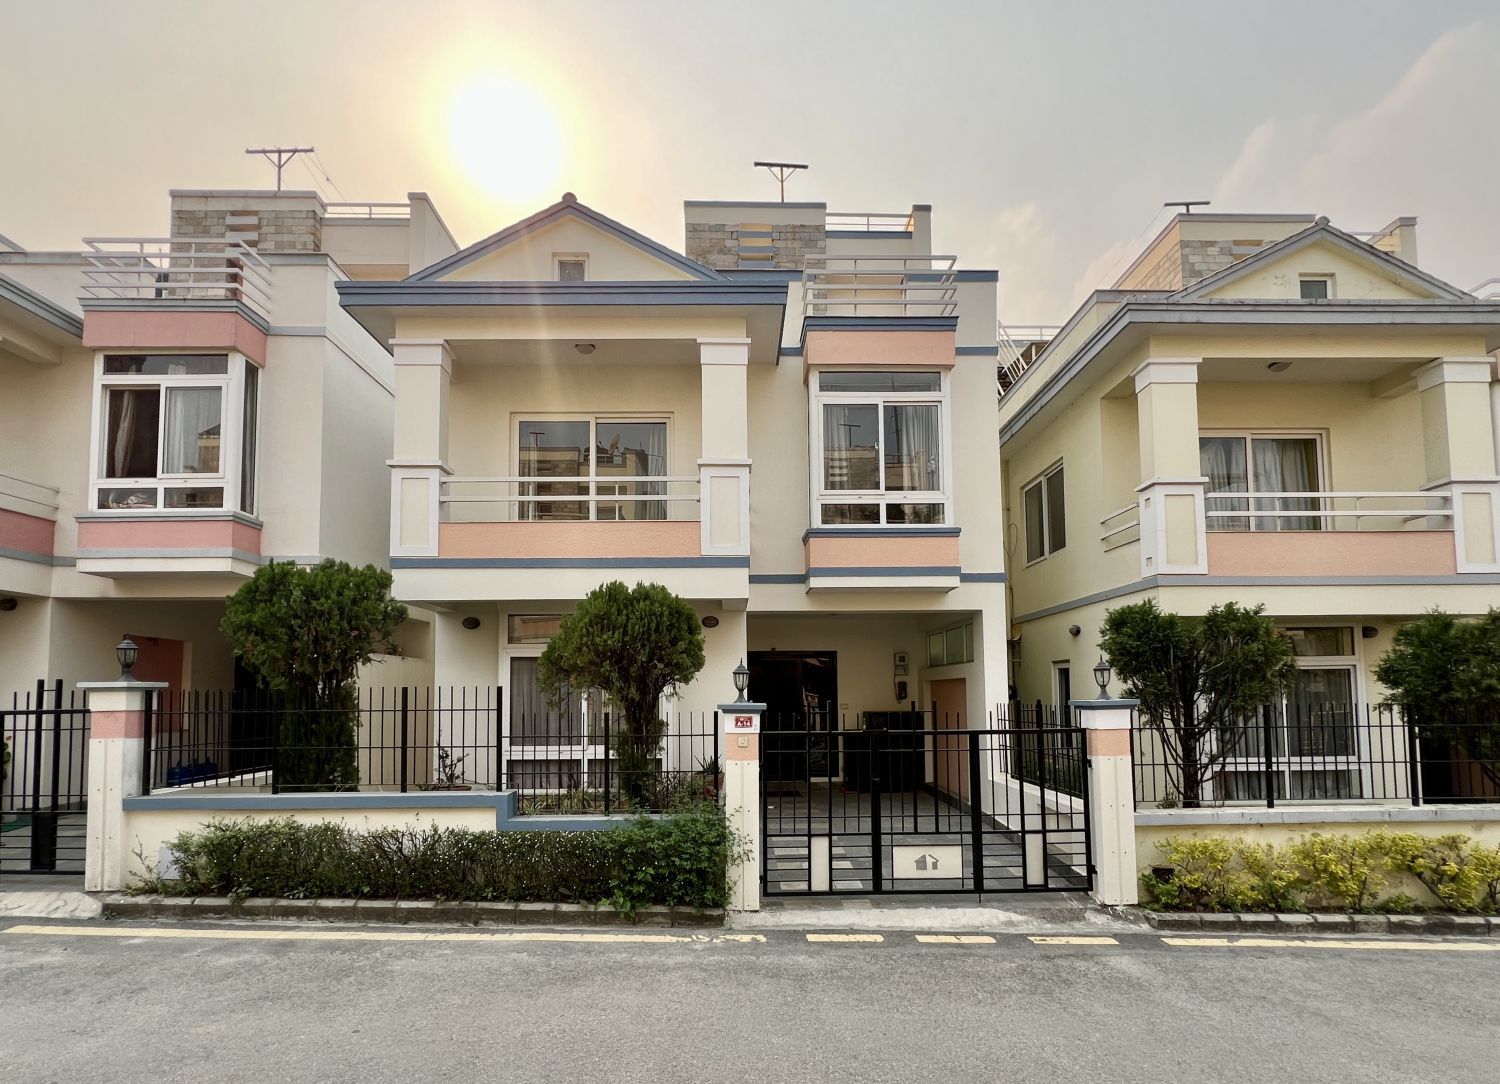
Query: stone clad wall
717, 244
266, 223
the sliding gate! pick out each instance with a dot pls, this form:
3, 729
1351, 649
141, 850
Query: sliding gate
935, 810
43, 815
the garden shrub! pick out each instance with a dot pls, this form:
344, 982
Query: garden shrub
680, 860
1325, 872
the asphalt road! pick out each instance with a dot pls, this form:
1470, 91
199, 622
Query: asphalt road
111, 1001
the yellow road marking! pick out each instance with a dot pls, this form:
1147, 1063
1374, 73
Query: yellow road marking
955, 939
872, 938
1090, 939
240, 934
1291, 942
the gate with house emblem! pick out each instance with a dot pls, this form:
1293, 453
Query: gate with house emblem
929, 807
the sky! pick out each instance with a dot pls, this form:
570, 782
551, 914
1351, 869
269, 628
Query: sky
1045, 135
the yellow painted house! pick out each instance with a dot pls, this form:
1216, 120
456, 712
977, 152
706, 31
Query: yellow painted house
1264, 409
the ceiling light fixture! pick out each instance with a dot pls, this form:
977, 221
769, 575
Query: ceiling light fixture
1279, 366
584, 348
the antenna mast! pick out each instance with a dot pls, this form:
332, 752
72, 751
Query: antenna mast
781, 171
1187, 205
280, 157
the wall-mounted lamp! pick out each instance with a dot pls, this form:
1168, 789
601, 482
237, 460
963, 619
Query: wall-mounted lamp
127, 653
1369, 632
584, 348
1074, 630
8, 604
470, 623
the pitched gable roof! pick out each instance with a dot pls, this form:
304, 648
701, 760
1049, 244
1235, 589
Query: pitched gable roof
567, 207
1321, 231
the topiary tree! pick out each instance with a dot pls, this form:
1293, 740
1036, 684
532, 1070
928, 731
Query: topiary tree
1199, 681
1444, 673
305, 632
636, 644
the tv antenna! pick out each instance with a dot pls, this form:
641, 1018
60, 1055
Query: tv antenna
781, 171
280, 157
1187, 205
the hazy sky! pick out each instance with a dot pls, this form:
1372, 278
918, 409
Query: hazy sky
1046, 135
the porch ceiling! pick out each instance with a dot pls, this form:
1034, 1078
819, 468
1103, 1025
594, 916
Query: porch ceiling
1309, 370
561, 352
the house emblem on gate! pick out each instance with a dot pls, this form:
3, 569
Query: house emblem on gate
926, 861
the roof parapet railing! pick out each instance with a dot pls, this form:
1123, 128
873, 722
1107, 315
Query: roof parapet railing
176, 269
1020, 345
871, 221
848, 285
395, 210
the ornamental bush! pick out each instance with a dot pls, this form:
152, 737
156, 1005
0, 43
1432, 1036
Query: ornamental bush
1321, 872
680, 860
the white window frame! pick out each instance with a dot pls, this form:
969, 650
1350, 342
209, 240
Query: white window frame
1284, 763
881, 497
560, 258
1327, 277
228, 478
592, 478
1250, 435
1047, 547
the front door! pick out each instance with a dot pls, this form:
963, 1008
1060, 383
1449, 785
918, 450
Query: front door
799, 690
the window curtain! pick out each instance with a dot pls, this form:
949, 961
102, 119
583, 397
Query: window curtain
190, 440
1222, 461
912, 443
850, 440
1285, 466
534, 720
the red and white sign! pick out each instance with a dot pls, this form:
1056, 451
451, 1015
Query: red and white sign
742, 724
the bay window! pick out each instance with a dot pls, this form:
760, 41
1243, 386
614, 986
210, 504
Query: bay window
881, 437
175, 432
580, 463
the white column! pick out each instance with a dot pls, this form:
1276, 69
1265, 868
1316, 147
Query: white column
419, 460
1111, 799
741, 724
724, 468
117, 741
1171, 490
1458, 443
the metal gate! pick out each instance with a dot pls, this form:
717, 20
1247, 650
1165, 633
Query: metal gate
934, 810
43, 818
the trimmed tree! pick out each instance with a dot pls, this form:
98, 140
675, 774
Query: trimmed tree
637, 645
1200, 681
1444, 673
305, 632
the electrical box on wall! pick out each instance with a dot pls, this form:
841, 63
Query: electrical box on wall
902, 665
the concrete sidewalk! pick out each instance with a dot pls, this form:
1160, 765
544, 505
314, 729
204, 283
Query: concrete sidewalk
32, 895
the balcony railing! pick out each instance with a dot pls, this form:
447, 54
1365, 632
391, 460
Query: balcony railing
1121, 527
870, 221
879, 286
1020, 345
400, 210
608, 498
1329, 511
176, 269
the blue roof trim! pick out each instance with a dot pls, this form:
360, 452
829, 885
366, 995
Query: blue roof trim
789, 351
762, 274
868, 235
880, 532
959, 275
977, 351
407, 292
570, 562
885, 570
34, 303
981, 577
547, 216
777, 577
880, 323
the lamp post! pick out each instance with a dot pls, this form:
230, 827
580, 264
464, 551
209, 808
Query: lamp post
127, 653
741, 682
1101, 678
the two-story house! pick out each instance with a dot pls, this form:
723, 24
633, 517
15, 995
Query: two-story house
791, 425
1266, 409
179, 410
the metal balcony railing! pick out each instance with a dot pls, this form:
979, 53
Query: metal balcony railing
515, 498
399, 210
176, 269
870, 221
879, 286
1329, 511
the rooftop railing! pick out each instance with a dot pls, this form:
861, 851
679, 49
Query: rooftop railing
879, 286
176, 269
399, 210
870, 221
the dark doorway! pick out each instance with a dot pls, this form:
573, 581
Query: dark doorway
800, 690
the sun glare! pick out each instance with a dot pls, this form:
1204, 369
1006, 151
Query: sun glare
504, 135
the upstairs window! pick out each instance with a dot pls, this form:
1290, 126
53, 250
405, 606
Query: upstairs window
572, 268
881, 440
1316, 287
1046, 515
176, 431
592, 468
1255, 472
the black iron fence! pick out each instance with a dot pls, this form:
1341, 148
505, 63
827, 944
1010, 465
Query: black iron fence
1305, 752
44, 793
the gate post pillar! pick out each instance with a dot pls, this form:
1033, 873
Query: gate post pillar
117, 749
1111, 798
741, 722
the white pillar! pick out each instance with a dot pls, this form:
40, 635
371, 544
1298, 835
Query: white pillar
741, 724
1171, 489
724, 467
117, 740
419, 460
1111, 798
1458, 440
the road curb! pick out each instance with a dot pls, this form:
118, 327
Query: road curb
1291, 923
404, 912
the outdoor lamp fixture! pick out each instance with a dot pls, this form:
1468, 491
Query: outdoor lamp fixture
1101, 678
1279, 366
741, 681
127, 653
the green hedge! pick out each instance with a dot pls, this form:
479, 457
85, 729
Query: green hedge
1326, 873
680, 860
